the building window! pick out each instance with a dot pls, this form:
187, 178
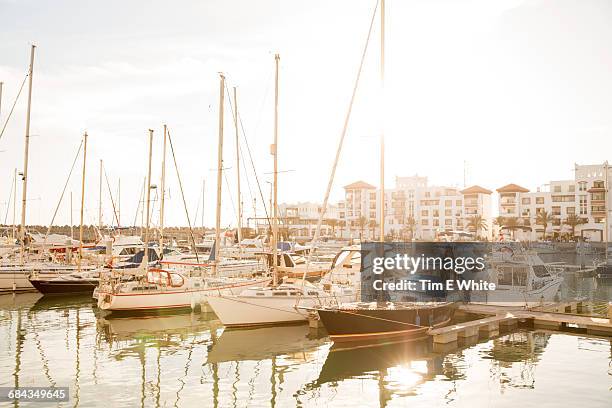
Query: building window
556, 211
570, 210
458, 203
571, 188
539, 200
448, 222
448, 203
557, 189
598, 184
448, 213
436, 223
526, 200
424, 222
436, 213
582, 186
598, 196
372, 196
583, 205
424, 213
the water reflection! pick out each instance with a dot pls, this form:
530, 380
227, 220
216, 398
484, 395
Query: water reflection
190, 359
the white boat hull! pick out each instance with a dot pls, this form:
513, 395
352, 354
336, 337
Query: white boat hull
169, 299
15, 278
501, 297
243, 311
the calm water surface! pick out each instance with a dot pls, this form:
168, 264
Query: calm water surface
189, 360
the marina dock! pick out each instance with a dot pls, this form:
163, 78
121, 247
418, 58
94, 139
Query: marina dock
553, 317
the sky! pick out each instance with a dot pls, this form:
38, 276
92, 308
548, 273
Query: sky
503, 92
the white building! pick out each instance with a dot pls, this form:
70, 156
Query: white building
585, 197
300, 219
425, 211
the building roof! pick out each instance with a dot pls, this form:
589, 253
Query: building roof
475, 189
359, 185
512, 188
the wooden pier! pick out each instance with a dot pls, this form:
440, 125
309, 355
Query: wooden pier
556, 317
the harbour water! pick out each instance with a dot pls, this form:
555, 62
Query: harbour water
191, 360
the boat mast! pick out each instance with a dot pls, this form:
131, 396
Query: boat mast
382, 127
119, 204
275, 179
24, 193
163, 190
14, 204
71, 224
203, 195
148, 186
100, 201
219, 174
82, 201
238, 175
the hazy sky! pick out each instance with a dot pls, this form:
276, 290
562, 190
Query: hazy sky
520, 90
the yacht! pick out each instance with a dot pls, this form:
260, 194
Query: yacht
17, 277
158, 289
520, 277
291, 300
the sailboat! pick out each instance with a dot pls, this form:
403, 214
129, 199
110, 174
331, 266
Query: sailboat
148, 289
14, 275
286, 301
382, 321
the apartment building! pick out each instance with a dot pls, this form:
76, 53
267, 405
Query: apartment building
300, 219
435, 210
587, 197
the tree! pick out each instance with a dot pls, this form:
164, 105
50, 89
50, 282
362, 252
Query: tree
500, 221
511, 224
361, 222
573, 221
543, 218
333, 223
410, 225
373, 224
477, 223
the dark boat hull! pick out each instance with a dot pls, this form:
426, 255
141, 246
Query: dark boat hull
64, 287
345, 324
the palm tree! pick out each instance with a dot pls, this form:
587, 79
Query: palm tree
333, 223
410, 224
477, 223
543, 218
373, 224
500, 221
573, 221
361, 222
511, 224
